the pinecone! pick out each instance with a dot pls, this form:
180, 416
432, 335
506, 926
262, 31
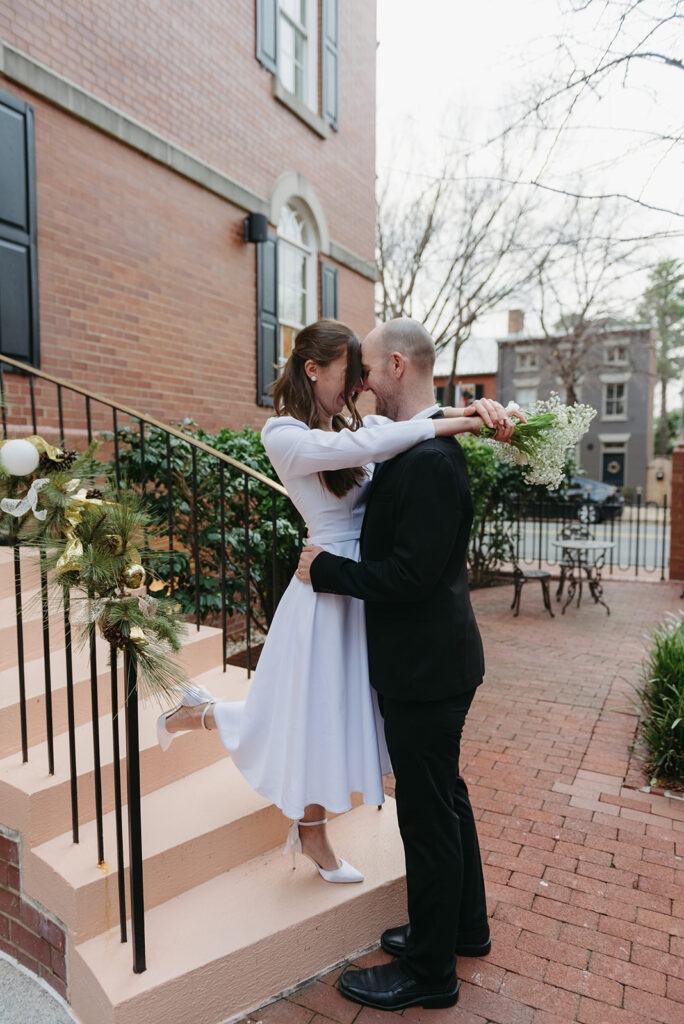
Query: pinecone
112, 632
48, 465
95, 492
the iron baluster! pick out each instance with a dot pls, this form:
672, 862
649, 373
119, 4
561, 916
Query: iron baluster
134, 816
143, 464
32, 392
169, 502
73, 776
195, 536
2, 401
116, 764
638, 530
97, 774
248, 581
117, 467
222, 511
662, 554
60, 413
88, 419
47, 668
20, 646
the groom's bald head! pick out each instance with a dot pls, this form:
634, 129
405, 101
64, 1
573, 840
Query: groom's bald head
399, 358
407, 337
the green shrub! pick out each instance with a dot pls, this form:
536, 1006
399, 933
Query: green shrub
661, 701
266, 580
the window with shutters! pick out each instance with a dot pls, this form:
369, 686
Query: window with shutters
18, 238
289, 36
297, 298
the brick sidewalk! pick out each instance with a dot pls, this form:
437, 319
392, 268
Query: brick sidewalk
585, 878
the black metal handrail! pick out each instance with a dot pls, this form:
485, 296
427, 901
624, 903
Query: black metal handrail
226, 464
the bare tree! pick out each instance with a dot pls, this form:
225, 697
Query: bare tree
454, 248
579, 289
625, 36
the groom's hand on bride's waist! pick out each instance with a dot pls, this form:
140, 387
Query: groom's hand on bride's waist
307, 556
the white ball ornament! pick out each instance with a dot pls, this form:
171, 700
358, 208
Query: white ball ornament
19, 457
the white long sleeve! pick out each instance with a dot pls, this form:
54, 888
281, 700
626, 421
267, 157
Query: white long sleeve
296, 450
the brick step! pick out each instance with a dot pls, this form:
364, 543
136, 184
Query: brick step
201, 651
225, 947
193, 829
39, 805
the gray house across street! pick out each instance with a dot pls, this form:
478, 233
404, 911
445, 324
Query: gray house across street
614, 371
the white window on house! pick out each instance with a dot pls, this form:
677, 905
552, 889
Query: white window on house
615, 354
526, 359
525, 397
615, 401
297, 298
297, 46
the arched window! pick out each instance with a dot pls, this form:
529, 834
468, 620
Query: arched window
297, 298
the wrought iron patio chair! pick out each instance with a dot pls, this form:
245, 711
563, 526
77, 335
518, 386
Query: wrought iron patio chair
522, 575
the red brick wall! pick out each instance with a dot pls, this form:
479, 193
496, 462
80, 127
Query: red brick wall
27, 932
677, 511
189, 72
147, 289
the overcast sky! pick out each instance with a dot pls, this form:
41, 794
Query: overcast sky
450, 67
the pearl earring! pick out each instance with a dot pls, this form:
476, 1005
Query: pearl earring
313, 378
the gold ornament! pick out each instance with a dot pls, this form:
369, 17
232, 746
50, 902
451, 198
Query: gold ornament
133, 576
114, 543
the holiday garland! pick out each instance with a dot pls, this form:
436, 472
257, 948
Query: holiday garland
94, 541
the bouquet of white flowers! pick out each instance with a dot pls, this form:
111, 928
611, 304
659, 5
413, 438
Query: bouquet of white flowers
541, 444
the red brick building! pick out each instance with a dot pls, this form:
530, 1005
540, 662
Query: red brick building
476, 367
135, 140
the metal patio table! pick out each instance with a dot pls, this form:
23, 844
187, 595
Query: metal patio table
582, 558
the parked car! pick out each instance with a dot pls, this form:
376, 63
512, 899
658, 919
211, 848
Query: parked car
590, 501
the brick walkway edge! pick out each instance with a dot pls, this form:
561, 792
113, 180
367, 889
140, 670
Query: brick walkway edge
585, 877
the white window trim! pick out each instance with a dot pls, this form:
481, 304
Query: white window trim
614, 378
526, 350
311, 254
607, 345
613, 417
526, 382
311, 31
614, 438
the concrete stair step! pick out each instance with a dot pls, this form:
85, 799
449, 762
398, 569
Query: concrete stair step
201, 651
225, 947
39, 805
193, 829
30, 575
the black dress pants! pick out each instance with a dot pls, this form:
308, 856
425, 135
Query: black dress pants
446, 894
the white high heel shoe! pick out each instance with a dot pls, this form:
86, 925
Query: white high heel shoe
345, 872
191, 698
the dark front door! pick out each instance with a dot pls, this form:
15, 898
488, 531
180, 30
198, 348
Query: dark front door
614, 468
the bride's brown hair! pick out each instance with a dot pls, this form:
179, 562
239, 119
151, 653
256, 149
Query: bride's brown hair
293, 391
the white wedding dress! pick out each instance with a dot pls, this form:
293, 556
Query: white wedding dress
310, 731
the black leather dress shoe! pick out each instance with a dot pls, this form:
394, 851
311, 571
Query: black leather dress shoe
393, 941
389, 987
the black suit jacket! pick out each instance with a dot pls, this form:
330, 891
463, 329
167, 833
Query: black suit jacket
423, 641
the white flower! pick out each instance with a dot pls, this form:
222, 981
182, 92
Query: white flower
545, 452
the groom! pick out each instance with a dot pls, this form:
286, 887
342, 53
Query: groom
426, 662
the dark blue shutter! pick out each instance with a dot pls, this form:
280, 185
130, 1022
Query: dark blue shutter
330, 59
267, 318
267, 33
328, 291
18, 250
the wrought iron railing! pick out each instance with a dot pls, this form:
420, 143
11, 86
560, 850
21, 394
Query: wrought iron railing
36, 402
637, 535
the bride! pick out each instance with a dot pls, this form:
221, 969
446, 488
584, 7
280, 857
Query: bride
309, 734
